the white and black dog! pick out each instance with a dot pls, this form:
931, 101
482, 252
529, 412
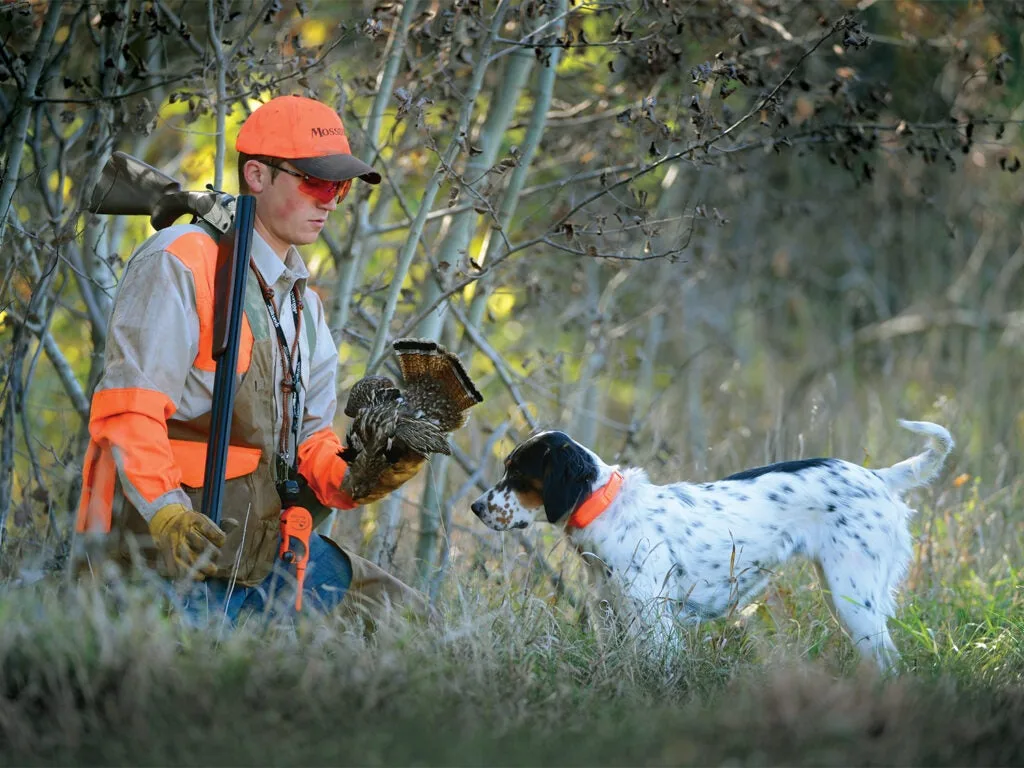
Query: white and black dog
696, 551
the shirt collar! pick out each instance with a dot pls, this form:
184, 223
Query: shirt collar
288, 272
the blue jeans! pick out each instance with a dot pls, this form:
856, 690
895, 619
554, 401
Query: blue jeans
328, 576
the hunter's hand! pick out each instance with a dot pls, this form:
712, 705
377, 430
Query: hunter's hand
188, 541
394, 477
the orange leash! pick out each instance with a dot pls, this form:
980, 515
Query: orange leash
296, 528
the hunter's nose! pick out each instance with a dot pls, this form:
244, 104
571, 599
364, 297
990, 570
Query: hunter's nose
477, 507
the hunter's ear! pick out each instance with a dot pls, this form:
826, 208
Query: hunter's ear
256, 174
569, 474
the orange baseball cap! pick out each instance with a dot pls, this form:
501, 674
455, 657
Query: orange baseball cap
306, 133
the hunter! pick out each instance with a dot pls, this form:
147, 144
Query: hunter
150, 414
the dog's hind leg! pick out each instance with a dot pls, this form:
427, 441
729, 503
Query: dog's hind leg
861, 596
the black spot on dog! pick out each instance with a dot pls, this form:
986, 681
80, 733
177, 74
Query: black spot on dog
783, 466
842, 521
717, 506
774, 498
831, 508
788, 489
660, 529
698, 524
683, 496
867, 604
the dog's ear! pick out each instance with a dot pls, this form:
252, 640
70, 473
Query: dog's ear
569, 474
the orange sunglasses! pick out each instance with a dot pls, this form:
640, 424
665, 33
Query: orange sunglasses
322, 190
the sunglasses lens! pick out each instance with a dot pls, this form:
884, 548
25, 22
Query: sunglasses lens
324, 190
320, 189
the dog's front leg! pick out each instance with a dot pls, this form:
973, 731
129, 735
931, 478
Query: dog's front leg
655, 624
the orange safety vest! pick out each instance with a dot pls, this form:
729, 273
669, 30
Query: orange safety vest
251, 506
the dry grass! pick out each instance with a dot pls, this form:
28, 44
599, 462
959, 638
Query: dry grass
110, 677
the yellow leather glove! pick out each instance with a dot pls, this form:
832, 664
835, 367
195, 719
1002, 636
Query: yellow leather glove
183, 537
394, 477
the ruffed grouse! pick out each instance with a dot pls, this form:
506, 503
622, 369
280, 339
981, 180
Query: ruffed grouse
388, 423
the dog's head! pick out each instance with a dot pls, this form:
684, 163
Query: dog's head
549, 473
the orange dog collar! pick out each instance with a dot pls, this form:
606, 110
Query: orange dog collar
597, 502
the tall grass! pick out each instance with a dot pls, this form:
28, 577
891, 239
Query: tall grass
107, 675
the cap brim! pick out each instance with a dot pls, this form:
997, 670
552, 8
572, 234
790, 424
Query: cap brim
337, 168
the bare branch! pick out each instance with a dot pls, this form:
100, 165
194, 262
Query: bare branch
499, 365
706, 143
16, 139
416, 231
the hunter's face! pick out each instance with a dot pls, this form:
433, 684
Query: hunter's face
285, 215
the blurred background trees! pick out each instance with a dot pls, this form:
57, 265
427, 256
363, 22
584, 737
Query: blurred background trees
697, 235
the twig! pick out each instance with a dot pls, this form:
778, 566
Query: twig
499, 364
37, 470
16, 138
595, 254
268, 5
93, 100
475, 479
430, 193
538, 558
181, 28
706, 144
60, 364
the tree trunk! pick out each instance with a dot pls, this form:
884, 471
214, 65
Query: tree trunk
456, 242
458, 140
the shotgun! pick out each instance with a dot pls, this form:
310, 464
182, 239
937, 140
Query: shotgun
130, 187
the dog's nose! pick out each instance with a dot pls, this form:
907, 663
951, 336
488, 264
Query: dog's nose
477, 507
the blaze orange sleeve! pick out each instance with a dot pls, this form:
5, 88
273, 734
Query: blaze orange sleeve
133, 424
324, 469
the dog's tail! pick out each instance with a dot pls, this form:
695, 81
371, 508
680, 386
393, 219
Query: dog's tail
921, 469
